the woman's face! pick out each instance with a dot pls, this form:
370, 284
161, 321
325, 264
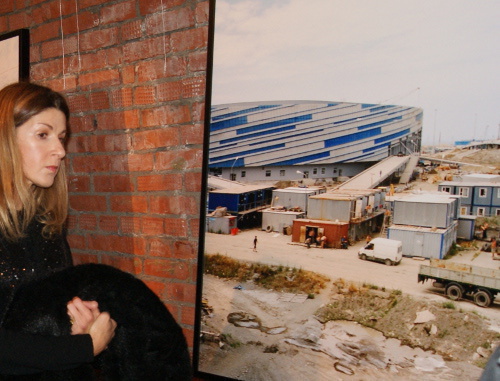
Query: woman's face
41, 142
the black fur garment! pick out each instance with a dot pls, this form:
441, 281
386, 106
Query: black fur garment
148, 345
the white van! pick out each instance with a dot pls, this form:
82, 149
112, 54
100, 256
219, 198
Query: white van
388, 251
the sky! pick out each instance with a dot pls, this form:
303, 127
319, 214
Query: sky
440, 55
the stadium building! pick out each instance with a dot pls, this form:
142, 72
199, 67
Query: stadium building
291, 140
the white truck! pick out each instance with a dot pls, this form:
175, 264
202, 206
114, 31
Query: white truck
388, 251
459, 279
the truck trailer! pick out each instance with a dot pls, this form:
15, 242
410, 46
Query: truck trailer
459, 279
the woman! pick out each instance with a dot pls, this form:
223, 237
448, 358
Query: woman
33, 208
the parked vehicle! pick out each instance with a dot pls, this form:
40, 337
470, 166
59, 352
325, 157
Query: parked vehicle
459, 279
388, 251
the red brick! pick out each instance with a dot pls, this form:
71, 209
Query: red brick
173, 205
161, 68
98, 38
77, 23
157, 138
157, 287
190, 39
192, 134
54, 48
82, 4
108, 223
128, 74
140, 162
145, 95
118, 12
100, 79
188, 315
46, 69
182, 292
198, 110
152, 226
130, 225
121, 97
129, 264
87, 222
194, 227
129, 203
189, 335
79, 183
148, 48
91, 61
193, 87
151, 183
118, 120
113, 143
81, 258
45, 32
152, 6
114, 55
99, 100
71, 221
162, 22
159, 247
116, 244
197, 61
166, 268
83, 123
185, 250
6, 7
179, 159
96, 163
160, 116
202, 11
175, 227
22, 20
192, 181
88, 203
131, 30
113, 183
78, 102
76, 241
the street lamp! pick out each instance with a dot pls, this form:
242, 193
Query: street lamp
234, 162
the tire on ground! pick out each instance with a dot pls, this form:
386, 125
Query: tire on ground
483, 298
454, 291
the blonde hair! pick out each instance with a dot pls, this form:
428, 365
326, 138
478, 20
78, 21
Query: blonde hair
19, 201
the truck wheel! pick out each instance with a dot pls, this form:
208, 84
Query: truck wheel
363, 257
454, 291
482, 298
388, 262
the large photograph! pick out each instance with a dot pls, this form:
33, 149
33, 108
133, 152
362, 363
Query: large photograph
14, 50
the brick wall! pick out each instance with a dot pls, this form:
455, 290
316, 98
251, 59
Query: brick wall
134, 73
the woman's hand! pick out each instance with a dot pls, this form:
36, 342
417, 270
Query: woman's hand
87, 319
81, 315
102, 331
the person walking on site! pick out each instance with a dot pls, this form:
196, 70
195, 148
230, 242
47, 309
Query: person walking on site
255, 244
493, 247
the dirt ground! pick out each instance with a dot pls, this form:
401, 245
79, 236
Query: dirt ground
284, 337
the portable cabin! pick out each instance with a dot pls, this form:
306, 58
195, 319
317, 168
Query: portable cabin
222, 224
426, 210
279, 220
424, 241
333, 230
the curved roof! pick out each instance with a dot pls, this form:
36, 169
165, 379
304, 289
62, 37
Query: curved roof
306, 132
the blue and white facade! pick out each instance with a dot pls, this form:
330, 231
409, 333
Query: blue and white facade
287, 140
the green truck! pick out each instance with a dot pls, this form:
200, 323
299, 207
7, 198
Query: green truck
459, 280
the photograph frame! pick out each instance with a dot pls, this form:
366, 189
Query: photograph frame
15, 65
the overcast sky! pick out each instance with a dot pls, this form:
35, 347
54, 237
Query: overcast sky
440, 55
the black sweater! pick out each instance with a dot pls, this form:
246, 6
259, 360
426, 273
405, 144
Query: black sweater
29, 258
